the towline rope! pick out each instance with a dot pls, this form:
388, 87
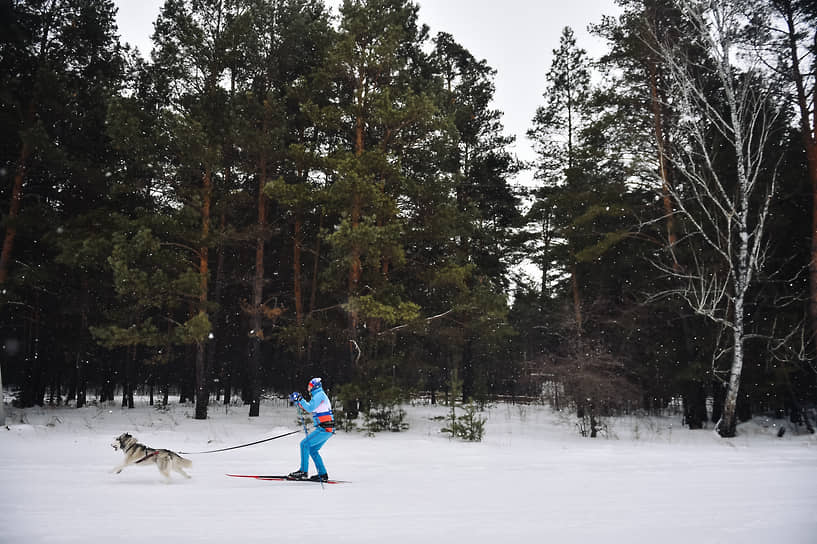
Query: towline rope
241, 446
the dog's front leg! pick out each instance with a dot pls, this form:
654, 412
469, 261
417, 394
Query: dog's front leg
118, 469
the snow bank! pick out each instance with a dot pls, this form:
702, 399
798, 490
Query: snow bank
532, 477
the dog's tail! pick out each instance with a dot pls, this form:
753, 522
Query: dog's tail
184, 462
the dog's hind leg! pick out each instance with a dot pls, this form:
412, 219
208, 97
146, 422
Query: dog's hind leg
162, 463
182, 472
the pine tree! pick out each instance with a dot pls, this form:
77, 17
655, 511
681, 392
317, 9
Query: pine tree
284, 44
641, 86
795, 48
191, 41
60, 65
485, 211
585, 217
555, 131
377, 64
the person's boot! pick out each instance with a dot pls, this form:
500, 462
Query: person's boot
320, 478
298, 475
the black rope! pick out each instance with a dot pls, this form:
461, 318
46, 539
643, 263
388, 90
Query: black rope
241, 446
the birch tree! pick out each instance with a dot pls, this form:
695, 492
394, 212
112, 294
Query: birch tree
726, 179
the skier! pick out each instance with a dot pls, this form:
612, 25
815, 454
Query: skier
324, 420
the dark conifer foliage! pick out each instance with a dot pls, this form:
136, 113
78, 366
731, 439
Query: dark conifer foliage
277, 191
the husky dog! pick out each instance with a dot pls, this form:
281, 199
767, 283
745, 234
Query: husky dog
136, 453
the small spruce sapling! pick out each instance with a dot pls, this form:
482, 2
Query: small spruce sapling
470, 426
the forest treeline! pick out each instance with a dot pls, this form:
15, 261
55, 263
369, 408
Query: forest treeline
277, 191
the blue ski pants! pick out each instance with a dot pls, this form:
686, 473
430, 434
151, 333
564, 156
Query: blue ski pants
310, 446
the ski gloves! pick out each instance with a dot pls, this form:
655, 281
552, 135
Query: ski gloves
295, 397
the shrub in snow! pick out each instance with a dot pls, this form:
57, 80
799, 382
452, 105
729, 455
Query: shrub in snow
469, 426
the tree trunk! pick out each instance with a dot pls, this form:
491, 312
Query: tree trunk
663, 168
127, 381
808, 130
577, 302
2, 405
166, 386
202, 393
743, 273
14, 211
467, 371
256, 318
594, 424
82, 385
356, 268
296, 271
219, 284
728, 423
543, 292
694, 404
32, 393
313, 293
252, 376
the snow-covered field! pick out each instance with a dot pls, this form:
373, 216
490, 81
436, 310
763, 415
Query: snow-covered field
532, 479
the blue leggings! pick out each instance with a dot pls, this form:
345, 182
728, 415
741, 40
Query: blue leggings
310, 446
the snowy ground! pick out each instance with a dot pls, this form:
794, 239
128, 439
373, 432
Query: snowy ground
531, 478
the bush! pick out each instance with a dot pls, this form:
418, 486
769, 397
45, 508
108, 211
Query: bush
469, 426
346, 407
380, 408
385, 418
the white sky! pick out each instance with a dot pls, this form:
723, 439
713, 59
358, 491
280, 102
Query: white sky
516, 37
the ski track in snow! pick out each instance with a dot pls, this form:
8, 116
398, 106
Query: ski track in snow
532, 477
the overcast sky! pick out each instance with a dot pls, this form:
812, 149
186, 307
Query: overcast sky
516, 37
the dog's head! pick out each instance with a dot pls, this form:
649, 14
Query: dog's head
122, 441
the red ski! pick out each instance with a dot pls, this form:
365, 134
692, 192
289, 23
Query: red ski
278, 478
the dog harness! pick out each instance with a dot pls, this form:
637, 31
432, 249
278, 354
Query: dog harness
148, 456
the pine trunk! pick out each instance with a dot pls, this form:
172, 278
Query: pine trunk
355, 269
811, 153
127, 385
82, 385
202, 394
577, 305
2, 406
543, 292
219, 284
296, 271
258, 291
808, 129
663, 168
313, 294
14, 211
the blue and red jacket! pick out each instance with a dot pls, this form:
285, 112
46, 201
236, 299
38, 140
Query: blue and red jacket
321, 409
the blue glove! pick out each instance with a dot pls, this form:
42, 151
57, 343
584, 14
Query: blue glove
295, 397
